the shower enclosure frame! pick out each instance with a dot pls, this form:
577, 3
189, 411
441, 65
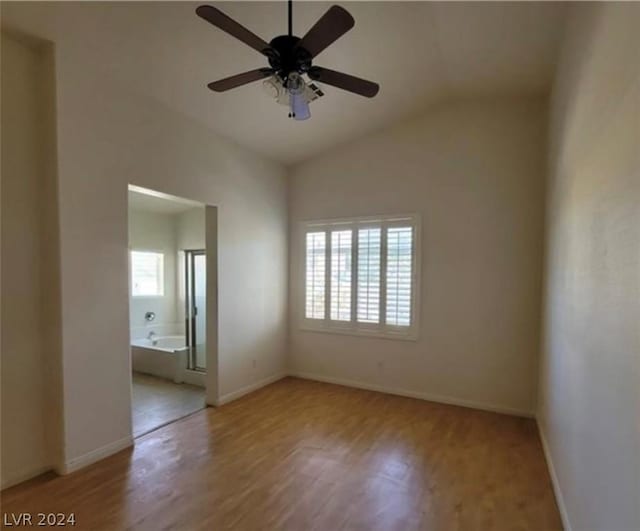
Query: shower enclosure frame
191, 310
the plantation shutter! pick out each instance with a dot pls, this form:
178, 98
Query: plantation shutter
341, 275
315, 275
399, 275
369, 246
360, 276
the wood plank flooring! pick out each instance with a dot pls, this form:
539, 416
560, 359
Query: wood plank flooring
300, 455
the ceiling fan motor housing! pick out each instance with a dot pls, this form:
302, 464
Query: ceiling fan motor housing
285, 56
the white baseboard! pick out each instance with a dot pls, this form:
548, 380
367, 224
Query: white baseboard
95, 455
554, 479
114, 447
415, 394
225, 399
24, 475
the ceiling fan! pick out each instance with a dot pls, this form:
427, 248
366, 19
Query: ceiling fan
290, 57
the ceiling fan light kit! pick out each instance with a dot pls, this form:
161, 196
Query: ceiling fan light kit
290, 58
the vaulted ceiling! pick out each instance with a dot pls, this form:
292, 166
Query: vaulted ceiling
420, 53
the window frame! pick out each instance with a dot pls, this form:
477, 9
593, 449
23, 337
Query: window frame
353, 327
162, 280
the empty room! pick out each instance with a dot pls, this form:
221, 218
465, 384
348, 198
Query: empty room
313, 266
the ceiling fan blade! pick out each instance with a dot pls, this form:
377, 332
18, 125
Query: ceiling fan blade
329, 28
227, 24
239, 79
344, 81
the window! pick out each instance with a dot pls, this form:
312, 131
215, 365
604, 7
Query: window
369, 242
147, 274
315, 275
361, 276
340, 296
399, 250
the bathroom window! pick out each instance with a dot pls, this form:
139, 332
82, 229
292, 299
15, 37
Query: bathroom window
147, 274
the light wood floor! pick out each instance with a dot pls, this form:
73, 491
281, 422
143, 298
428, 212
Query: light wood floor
157, 401
300, 455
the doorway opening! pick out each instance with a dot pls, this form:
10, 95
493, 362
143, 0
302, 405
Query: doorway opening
167, 308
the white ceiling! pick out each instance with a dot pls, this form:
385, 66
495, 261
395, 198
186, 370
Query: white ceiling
420, 53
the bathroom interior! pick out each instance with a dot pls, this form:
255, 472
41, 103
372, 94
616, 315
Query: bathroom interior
167, 308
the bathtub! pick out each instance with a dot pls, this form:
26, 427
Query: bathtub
164, 356
162, 343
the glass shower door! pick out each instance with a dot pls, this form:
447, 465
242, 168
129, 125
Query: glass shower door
196, 308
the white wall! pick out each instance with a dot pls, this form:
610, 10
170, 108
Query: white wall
126, 138
475, 173
24, 448
30, 322
140, 142
154, 231
190, 233
589, 407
